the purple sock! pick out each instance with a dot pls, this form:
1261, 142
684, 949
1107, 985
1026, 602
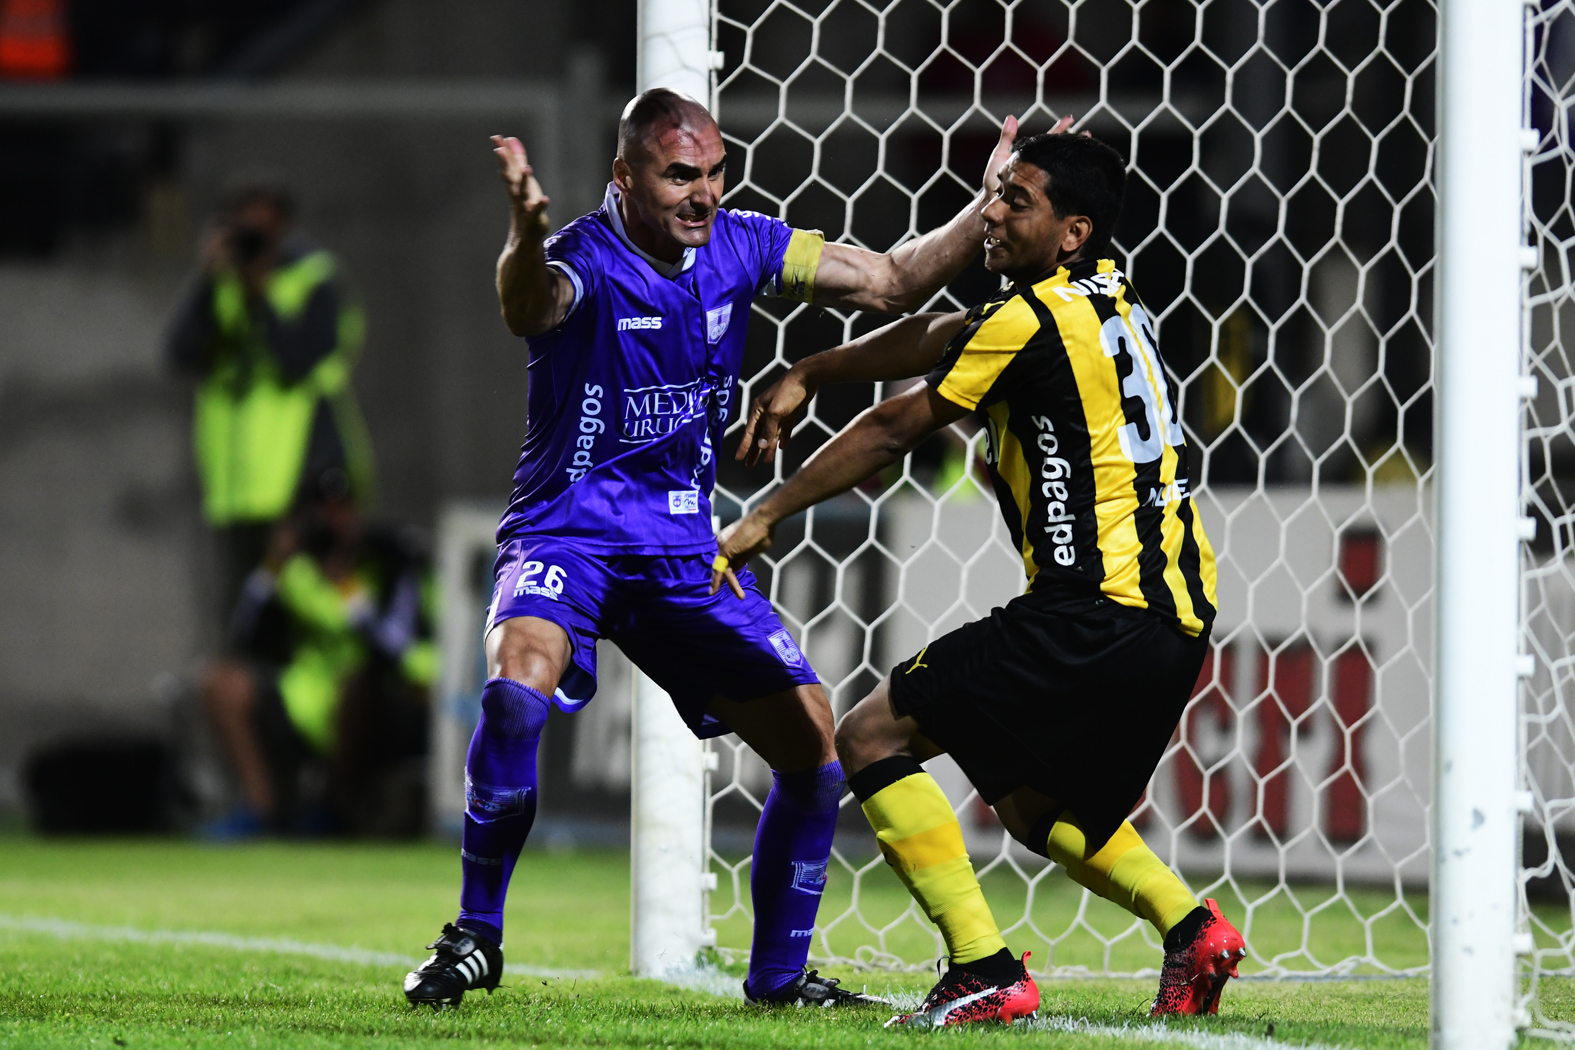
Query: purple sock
792, 846
500, 799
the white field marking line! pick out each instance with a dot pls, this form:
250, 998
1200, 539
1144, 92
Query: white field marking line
700, 977
1148, 1032
1157, 1033
276, 945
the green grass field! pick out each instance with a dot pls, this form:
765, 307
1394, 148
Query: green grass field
99, 953
1107, 939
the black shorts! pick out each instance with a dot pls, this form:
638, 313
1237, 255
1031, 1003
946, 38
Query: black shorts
1076, 699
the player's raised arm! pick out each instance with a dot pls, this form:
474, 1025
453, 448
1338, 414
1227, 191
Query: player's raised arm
905, 348
877, 438
534, 297
904, 278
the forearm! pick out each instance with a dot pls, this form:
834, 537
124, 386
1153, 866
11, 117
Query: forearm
876, 439
907, 276
905, 348
526, 285
871, 443
922, 266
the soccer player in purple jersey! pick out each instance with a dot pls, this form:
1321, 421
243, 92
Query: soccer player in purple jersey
636, 316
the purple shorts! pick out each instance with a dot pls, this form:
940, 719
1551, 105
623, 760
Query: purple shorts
656, 608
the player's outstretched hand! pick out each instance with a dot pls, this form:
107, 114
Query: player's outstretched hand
519, 179
772, 418
1000, 155
1003, 150
736, 544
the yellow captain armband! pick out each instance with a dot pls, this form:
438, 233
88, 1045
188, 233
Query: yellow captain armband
720, 564
799, 264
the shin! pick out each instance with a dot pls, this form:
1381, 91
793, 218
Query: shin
500, 799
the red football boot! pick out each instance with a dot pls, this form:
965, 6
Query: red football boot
962, 997
1194, 977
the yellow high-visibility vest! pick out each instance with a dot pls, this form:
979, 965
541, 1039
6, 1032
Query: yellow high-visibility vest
252, 427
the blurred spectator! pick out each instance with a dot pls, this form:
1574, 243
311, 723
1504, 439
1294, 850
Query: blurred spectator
323, 691
35, 40
271, 336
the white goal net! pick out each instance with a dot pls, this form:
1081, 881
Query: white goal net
1548, 483
1279, 222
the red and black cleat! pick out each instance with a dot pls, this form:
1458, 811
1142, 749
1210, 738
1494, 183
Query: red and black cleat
962, 998
1195, 975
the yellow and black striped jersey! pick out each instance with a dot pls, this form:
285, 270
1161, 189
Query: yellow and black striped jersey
1086, 450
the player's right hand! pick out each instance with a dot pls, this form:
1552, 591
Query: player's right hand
735, 545
772, 418
1003, 150
519, 179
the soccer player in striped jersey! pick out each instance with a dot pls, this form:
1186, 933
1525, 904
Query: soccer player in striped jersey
1059, 705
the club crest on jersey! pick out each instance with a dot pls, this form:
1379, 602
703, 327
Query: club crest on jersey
716, 322
683, 501
809, 877
786, 649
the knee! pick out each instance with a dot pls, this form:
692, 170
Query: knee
512, 709
528, 650
1036, 840
1041, 829
857, 745
846, 740
531, 667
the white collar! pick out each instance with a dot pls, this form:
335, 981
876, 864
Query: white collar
610, 202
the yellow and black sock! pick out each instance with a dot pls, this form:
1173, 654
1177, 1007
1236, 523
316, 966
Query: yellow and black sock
922, 841
1124, 870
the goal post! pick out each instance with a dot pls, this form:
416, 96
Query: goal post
1480, 285
667, 790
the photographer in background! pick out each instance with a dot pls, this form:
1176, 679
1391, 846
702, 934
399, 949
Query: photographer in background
271, 336
320, 702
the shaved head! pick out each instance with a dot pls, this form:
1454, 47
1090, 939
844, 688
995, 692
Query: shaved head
670, 172
655, 115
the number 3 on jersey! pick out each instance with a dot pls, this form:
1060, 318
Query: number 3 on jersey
1144, 380
548, 587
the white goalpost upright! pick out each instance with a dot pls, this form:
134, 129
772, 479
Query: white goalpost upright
1480, 523
667, 827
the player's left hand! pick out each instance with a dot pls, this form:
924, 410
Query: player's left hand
736, 544
772, 418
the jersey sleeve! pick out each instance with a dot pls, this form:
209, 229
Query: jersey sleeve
571, 253
993, 334
786, 259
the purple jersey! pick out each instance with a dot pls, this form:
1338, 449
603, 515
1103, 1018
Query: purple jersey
629, 395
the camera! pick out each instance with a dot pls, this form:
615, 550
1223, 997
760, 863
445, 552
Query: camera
246, 245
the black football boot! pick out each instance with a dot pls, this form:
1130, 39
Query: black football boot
811, 989
461, 960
